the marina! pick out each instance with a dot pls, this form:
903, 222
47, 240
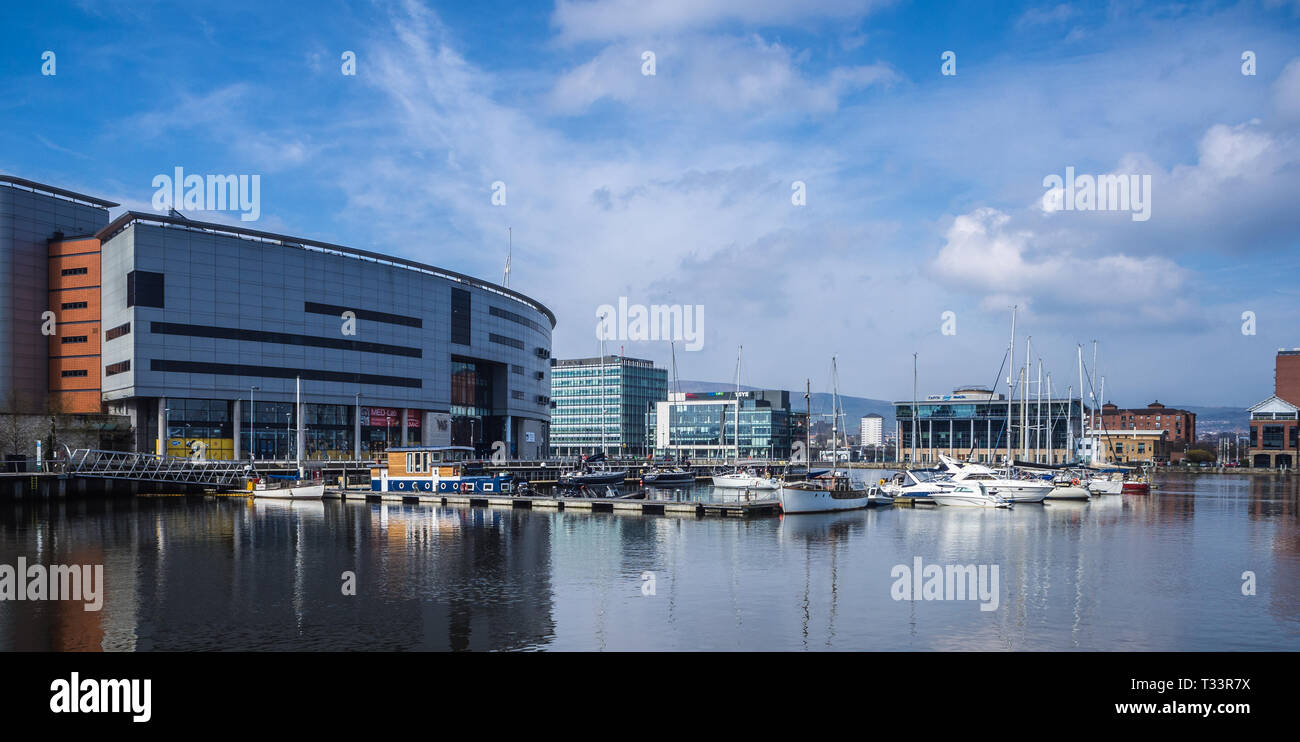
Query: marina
199, 572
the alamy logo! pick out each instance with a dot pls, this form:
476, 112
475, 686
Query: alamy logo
638, 322
1113, 192
242, 193
947, 582
82, 582
94, 696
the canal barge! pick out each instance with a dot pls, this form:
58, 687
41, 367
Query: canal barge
441, 469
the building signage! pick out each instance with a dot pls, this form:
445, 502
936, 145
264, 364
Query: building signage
382, 417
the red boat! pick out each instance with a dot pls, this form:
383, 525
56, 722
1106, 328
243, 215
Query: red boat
1136, 488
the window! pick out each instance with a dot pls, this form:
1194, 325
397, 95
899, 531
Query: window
417, 463
74, 305
72, 339
117, 368
517, 369
460, 320
144, 289
118, 332
516, 394
75, 271
503, 340
66, 373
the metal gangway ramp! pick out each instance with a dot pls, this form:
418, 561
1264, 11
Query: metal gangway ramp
151, 467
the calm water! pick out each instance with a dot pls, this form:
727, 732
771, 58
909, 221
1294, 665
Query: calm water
1160, 572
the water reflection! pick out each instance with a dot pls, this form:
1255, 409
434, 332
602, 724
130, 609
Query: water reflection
1114, 573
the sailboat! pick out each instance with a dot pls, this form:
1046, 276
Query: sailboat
738, 478
281, 489
837, 492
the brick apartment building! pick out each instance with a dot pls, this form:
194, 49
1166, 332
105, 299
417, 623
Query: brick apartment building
1274, 427
1179, 425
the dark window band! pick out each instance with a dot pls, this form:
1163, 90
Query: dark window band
367, 314
503, 340
517, 318
280, 338
275, 372
113, 369
117, 332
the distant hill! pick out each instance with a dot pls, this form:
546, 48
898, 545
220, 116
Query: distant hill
855, 408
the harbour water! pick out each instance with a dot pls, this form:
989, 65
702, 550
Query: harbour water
1163, 572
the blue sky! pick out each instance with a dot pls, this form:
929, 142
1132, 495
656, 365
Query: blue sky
924, 191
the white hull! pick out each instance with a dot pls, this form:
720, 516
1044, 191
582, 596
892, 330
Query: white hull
306, 492
1017, 492
818, 501
745, 481
970, 501
971, 495
1068, 493
1106, 486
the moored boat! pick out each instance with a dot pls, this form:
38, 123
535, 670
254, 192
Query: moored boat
824, 495
970, 494
437, 469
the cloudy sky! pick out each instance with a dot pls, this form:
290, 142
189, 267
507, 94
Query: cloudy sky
924, 191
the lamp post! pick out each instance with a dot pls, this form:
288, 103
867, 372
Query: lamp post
166, 432
356, 445
252, 421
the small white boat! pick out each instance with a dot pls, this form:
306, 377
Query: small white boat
745, 480
287, 490
970, 494
825, 495
877, 498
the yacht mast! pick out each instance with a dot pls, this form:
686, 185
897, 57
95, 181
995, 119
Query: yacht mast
736, 423
835, 419
1082, 432
1010, 373
915, 420
807, 429
1024, 403
1038, 417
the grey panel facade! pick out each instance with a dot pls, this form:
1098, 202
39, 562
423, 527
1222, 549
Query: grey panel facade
28, 219
220, 282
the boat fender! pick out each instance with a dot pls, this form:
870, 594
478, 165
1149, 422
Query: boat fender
1075, 481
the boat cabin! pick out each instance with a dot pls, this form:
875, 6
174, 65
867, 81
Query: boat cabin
442, 469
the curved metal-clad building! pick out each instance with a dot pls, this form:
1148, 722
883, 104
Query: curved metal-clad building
197, 322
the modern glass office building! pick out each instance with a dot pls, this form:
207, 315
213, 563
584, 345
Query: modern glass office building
702, 425
202, 334
971, 424
601, 403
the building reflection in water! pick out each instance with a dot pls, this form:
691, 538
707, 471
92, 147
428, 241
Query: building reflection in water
229, 573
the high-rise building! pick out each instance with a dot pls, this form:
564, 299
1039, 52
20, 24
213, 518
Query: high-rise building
871, 431
601, 404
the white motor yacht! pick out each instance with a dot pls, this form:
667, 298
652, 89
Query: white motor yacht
1014, 490
970, 494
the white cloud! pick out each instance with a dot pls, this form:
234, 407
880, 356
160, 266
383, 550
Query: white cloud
705, 73
596, 20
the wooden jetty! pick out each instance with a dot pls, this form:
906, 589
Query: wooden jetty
737, 508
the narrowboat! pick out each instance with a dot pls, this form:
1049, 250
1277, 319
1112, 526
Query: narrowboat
437, 470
